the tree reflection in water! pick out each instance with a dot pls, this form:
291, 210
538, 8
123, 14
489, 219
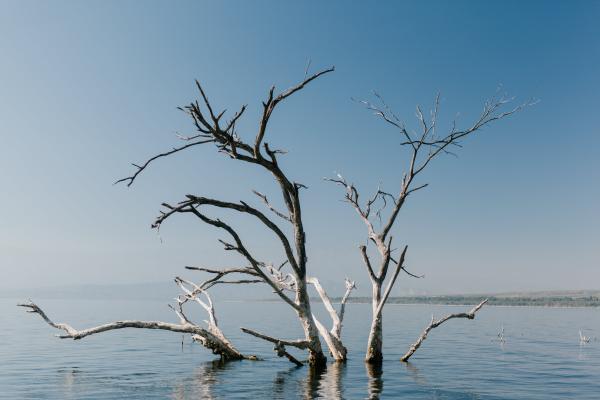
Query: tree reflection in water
209, 380
375, 387
415, 374
204, 380
331, 381
310, 383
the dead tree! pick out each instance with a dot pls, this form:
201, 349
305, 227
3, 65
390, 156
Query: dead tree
423, 146
435, 323
211, 129
333, 337
210, 337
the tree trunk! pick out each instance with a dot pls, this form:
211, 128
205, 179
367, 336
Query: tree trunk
316, 358
374, 345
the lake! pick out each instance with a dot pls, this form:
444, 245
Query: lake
541, 359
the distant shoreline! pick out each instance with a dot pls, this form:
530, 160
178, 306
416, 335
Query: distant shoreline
500, 300
512, 301
161, 291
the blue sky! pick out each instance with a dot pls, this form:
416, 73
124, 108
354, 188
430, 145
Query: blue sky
88, 87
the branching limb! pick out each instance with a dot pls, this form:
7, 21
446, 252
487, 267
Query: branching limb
238, 247
336, 318
367, 262
220, 273
71, 332
352, 197
211, 128
140, 168
333, 336
209, 339
337, 330
300, 344
390, 285
275, 211
280, 350
435, 323
272, 101
193, 202
192, 294
424, 146
407, 272
325, 299
279, 345
337, 350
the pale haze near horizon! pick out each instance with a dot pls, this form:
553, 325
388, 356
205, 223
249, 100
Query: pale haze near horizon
88, 88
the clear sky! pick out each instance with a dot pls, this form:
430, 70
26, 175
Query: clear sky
88, 87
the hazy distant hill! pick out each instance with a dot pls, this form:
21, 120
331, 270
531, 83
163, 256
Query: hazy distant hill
165, 291
160, 291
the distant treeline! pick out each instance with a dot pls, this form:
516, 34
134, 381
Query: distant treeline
544, 301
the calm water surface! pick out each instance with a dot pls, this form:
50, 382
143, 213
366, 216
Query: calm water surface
541, 359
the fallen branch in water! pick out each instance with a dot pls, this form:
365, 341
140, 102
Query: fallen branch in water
435, 324
210, 337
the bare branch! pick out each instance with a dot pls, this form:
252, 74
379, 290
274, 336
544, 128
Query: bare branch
194, 201
300, 344
434, 324
272, 102
275, 211
365, 257
209, 125
240, 248
350, 285
217, 344
332, 337
336, 348
407, 271
140, 168
390, 284
220, 273
33, 308
326, 300
280, 350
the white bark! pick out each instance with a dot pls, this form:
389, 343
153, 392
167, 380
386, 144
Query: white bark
332, 337
435, 323
280, 344
211, 337
424, 145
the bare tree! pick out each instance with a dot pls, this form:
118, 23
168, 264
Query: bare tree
291, 287
423, 146
211, 129
210, 337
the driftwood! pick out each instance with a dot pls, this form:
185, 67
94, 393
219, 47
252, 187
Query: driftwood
212, 129
423, 146
435, 323
211, 337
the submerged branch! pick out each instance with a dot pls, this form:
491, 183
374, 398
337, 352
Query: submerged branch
213, 339
300, 344
434, 324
